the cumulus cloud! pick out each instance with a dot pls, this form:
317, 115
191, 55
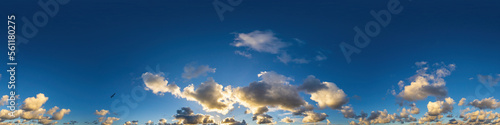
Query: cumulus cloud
158, 84
348, 112
429, 118
187, 116
327, 94
53, 110
131, 123
192, 71
59, 115
461, 102
482, 117
103, 112
376, 117
440, 107
4, 100
312, 117
211, 96
263, 119
414, 109
32, 109
424, 84
332, 96
273, 90
287, 120
312, 84
260, 41
110, 120
34, 103
487, 103
232, 121
35, 114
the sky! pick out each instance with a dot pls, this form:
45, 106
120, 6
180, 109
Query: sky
264, 62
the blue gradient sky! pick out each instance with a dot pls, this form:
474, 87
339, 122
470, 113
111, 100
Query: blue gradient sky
92, 49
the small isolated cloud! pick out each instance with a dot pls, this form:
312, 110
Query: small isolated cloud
421, 63
312, 117
299, 42
489, 80
440, 107
187, 116
4, 100
461, 102
487, 103
34, 103
286, 58
260, 41
103, 112
243, 53
424, 85
158, 84
192, 71
320, 57
60, 114
287, 120
348, 112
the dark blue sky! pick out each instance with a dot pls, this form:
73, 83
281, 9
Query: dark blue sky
92, 49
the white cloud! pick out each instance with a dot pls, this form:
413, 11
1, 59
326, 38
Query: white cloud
312, 117
260, 41
320, 56
332, 96
287, 120
158, 84
192, 71
263, 119
348, 112
34, 103
4, 100
211, 96
440, 107
286, 58
110, 120
424, 85
461, 102
487, 103
103, 112
243, 53
489, 80
59, 115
